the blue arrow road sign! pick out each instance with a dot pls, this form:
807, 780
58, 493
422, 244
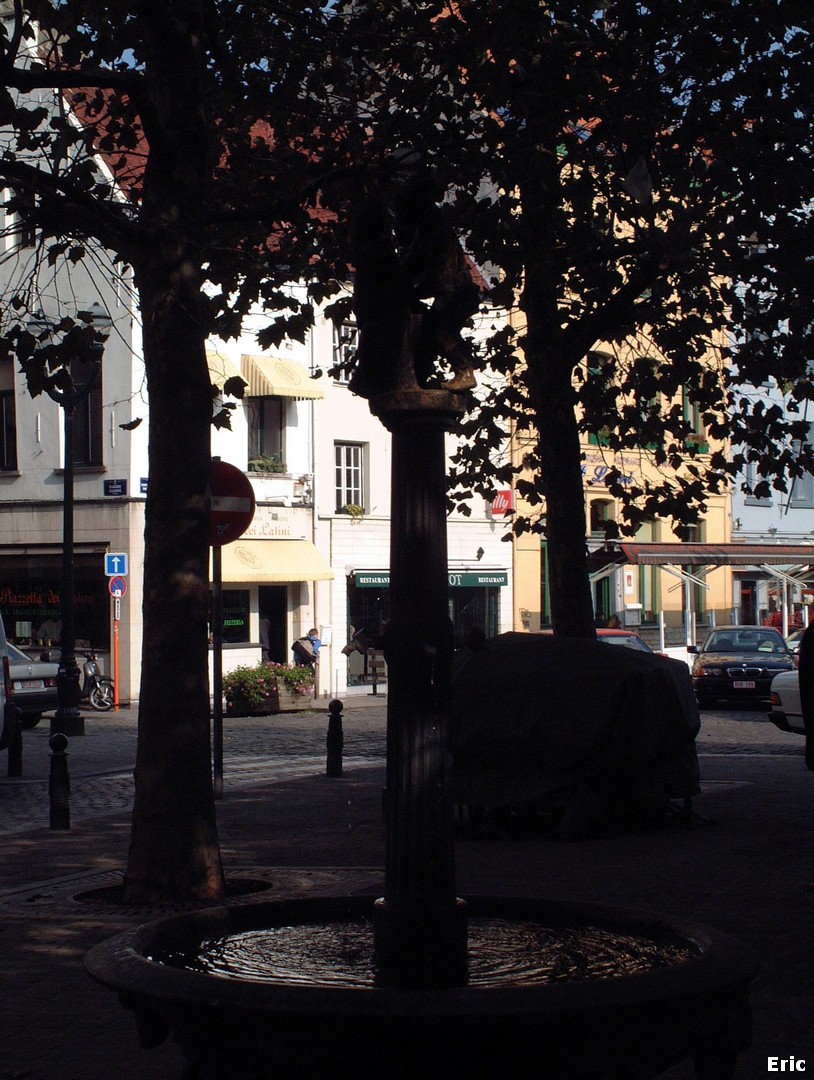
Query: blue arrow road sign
115, 564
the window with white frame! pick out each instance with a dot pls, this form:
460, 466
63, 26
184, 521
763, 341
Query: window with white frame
24, 232
345, 340
87, 424
350, 475
8, 422
752, 480
266, 429
802, 487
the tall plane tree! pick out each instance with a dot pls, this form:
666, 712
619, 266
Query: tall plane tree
639, 178
178, 101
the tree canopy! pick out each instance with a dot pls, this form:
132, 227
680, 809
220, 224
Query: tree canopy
638, 177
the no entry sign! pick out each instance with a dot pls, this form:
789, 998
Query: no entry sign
232, 507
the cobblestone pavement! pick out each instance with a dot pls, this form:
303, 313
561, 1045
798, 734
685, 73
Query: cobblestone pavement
276, 748
255, 749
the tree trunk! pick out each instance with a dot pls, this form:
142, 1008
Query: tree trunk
174, 853
554, 403
562, 484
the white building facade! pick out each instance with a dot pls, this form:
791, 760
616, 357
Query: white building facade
317, 551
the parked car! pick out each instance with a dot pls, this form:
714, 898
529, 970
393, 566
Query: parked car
627, 638
616, 636
794, 639
786, 711
33, 685
738, 663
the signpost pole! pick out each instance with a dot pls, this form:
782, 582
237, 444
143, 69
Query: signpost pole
117, 610
117, 586
217, 670
231, 513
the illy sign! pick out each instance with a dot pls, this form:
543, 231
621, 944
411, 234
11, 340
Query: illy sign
503, 503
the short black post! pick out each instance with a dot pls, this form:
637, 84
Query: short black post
11, 738
336, 739
59, 783
15, 747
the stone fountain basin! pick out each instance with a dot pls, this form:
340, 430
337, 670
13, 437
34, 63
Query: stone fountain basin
622, 1028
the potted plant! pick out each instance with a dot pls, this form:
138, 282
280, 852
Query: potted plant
250, 690
267, 463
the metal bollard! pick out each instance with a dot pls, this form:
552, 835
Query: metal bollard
11, 738
59, 783
335, 740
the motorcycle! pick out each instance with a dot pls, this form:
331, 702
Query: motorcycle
97, 689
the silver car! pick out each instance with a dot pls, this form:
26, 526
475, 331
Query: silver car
33, 685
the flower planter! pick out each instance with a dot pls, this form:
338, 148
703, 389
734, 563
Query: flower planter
241, 707
288, 701
267, 688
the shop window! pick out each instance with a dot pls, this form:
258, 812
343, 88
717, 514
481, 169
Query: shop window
349, 476
30, 599
266, 449
235, 615
87, 447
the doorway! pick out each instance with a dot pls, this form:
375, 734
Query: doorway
273, 609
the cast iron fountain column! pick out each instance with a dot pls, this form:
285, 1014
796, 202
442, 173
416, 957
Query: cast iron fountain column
420, 924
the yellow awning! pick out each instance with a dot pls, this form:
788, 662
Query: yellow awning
264, 561
221, 368
271, 376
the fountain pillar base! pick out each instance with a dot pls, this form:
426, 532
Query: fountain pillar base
420, 946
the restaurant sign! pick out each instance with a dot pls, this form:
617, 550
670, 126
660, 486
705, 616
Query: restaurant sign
463, 579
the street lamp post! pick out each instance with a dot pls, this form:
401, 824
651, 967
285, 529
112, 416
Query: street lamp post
68, 720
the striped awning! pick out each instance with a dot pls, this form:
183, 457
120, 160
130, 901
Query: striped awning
272, 376
221, 368
273, 561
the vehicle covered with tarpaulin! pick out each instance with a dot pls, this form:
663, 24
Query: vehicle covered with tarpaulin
600, 737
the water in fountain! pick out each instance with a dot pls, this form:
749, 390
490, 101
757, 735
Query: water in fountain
501, 952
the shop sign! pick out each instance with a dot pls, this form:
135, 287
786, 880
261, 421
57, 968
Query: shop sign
595, 469
271, 523
503, 503
465, 579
